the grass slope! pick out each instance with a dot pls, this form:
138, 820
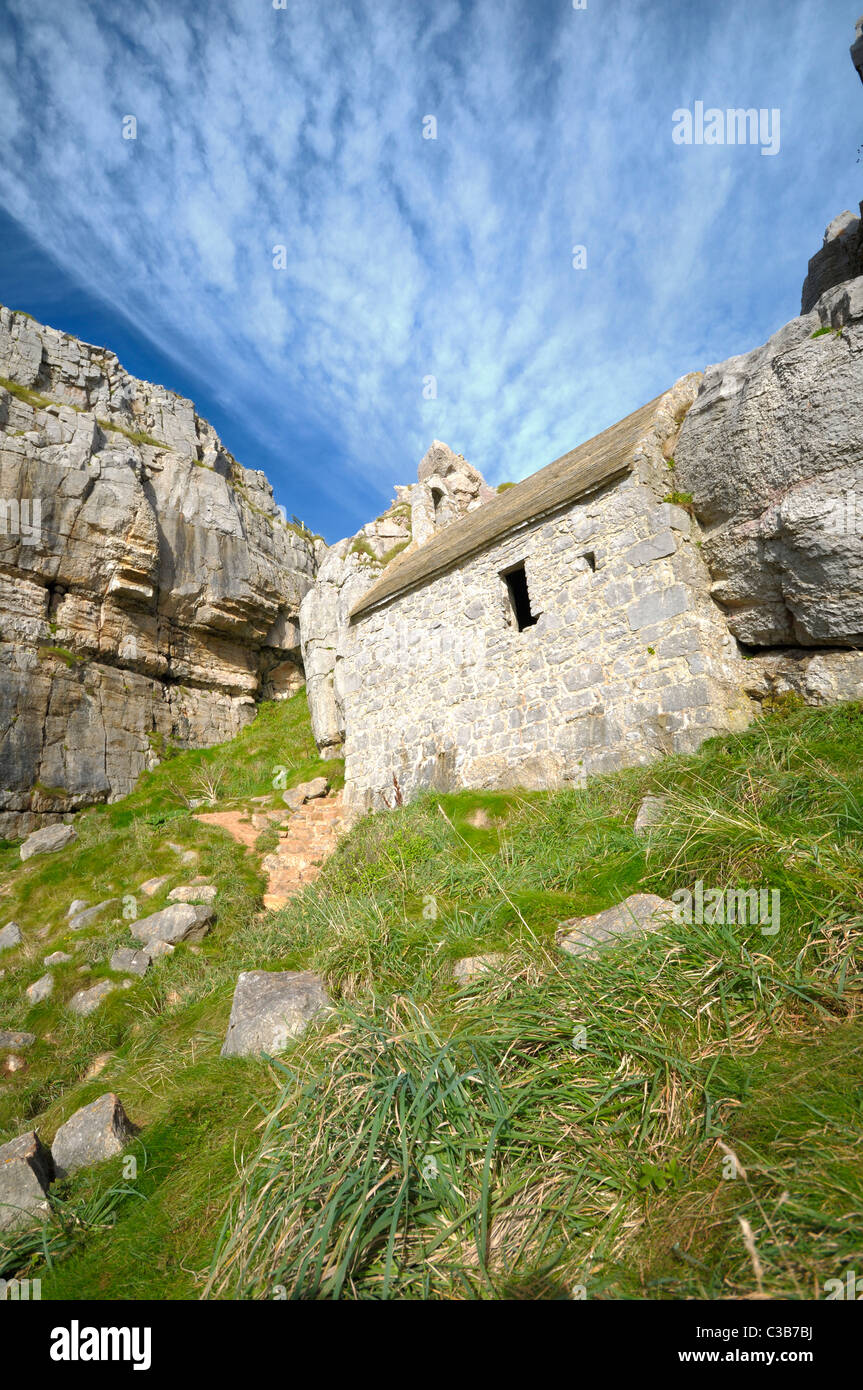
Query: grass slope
559, 1126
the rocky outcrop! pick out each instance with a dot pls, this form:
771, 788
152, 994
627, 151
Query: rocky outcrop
839, 259
771, 455
447, 487
149, 585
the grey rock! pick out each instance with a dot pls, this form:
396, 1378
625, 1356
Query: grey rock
40, 989
48, 840
177, 581
10, 936
179, 922
82, 920
12, 1039
193, 893
471, 968
124, 958
57, 958
95, 1132
839, 259
87, 1001
770, 452
76, 905
650, 813
271, 1008
636, 915
26, 1171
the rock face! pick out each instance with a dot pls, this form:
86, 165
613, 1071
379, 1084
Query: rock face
270, 1008
447, 487
96, 1132
149, 585
26, 1171
771, 454
840, 259
640, 913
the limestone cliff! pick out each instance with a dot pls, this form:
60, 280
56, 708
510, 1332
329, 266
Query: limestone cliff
149, 586
772, 455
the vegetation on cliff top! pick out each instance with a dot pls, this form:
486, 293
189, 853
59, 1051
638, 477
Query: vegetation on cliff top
558, 1125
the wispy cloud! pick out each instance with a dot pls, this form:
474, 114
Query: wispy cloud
408, 258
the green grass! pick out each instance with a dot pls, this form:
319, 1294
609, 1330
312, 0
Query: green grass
559, 1124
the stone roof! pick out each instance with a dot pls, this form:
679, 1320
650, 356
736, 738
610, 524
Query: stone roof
581, 471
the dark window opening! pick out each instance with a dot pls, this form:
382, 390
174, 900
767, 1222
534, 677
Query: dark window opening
437, 498
516, 584
590, 557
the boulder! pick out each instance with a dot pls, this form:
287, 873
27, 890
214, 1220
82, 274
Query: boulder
471, 968
40, 989
26, 1171
95, 1132
10, 936
270, 1008
13, 1039
635, 916
76, 905
124, 958
82, 920
86, 1001
179, 922
48, 840
57, 958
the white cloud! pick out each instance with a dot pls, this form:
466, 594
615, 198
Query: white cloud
408, 257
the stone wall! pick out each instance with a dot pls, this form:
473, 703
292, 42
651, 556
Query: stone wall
629, 659
447, 488
149, 588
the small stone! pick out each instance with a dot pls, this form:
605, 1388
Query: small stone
124, 958
638, 914
76, 905
48, 840
157, 948
650, 813
470, 968
10, 936
26, 1171
205, 893
189, 856
57, 958
98, 1065
152, 885
479, 819
270, 1008
81, 920
96, 1132
179, 922
12, 1063
86, 1001
12, 1039
40, 989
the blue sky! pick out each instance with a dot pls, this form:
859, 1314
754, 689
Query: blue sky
406, 257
